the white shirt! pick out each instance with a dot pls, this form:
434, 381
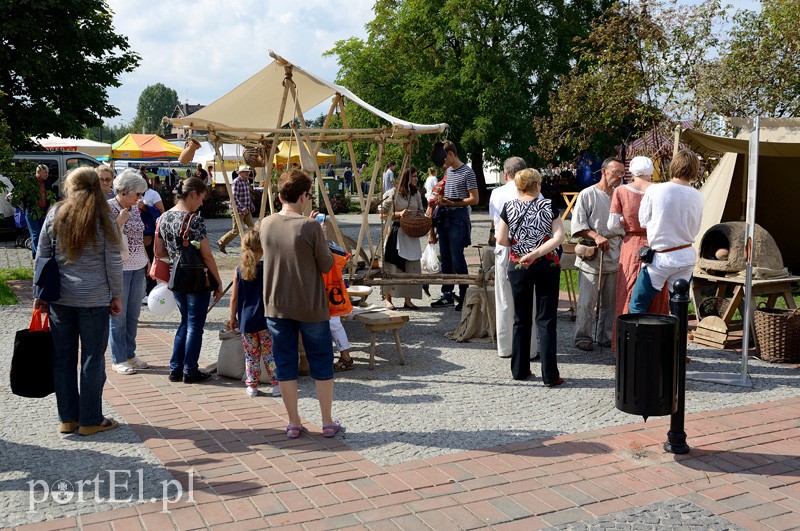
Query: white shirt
151, 197
430, 182
500, 196
671, 214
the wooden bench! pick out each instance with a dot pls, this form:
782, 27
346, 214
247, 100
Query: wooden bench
379, 321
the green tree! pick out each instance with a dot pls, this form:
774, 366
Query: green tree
59, 58
108, 133
758, 70
638, 70
155, 102
485, 67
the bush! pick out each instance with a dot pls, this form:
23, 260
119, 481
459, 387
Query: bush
339, 204
215, 205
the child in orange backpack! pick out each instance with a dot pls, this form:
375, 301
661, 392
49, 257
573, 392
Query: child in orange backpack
247, 311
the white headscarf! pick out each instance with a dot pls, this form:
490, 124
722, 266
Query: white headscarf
641, 166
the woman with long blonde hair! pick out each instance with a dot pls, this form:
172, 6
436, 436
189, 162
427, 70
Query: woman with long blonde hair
80, 232
247, 311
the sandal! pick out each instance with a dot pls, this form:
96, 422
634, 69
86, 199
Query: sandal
123, 368
408, 306
343, 365
107, 424
293, 432
331, 431
68, 427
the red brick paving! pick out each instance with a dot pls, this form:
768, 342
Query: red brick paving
744, 466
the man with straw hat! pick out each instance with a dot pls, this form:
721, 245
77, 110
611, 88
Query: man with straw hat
244, 204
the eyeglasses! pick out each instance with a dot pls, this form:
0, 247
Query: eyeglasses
618, 173
310, 195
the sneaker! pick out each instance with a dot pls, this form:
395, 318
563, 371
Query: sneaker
222, 248
136, 363
459, 306
144, 301
252, 392
123, 368
197, 377
176, 375
442, 301
276, 390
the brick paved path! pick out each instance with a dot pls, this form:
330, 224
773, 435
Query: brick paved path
743, 470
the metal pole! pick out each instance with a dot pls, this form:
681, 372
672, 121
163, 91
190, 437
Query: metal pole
676, 437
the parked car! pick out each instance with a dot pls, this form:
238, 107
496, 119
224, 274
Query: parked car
59, 162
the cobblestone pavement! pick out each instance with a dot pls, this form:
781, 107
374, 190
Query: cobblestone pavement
447, 435
674, 515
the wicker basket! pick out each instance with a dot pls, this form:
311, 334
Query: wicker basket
415, 226
253, 156
778, 333
715, 306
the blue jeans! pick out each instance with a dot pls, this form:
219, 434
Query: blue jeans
123, 327
189, 337
643, 293
69, 324
317, 342
34, 224
454, 236
544, 279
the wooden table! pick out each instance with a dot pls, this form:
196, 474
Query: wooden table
379, 321
733, 290
569, 198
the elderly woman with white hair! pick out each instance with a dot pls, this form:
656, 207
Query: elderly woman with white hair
129, 186
624, 214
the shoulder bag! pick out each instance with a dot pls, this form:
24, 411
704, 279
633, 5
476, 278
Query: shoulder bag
159, 269
47, 278
189, 272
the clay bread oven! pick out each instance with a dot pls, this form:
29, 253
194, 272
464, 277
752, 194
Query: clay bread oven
714, 260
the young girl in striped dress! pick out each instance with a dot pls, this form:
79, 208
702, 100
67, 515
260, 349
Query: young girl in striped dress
247, 311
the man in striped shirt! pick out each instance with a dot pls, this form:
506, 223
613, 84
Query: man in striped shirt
243, 203
460, 192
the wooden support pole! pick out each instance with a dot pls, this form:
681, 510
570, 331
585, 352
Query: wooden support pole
268, 177
234, 209
365, 211
361, 199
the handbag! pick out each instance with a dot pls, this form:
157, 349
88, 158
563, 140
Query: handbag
46, 278
189, 273
31, 372
159, 269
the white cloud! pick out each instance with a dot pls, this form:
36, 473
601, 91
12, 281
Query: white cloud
204, 48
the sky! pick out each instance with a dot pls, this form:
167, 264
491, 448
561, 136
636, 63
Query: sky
204, 48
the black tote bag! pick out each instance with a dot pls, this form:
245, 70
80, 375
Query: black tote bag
32, 363
189, 272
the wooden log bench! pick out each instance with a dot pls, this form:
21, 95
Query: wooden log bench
383, 321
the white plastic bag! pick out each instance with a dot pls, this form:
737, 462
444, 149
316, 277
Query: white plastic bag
430, 260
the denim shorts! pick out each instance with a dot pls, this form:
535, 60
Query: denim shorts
317, 342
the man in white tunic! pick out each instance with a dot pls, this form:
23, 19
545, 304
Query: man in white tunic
590, 222
503, 301
671, 213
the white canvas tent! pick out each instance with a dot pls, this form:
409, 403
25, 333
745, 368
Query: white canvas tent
778, 190
84, 145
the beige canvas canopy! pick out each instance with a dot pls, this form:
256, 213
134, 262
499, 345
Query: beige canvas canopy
778, 192
258, 114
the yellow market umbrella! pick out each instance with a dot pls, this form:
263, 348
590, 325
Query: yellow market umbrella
283, 155
133, 146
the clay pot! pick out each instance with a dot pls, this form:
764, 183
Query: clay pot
189, 148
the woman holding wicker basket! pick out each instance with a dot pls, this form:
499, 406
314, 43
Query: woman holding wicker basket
402, 252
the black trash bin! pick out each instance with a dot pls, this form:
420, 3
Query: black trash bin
647, 364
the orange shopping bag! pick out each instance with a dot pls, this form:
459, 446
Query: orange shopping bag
338, 301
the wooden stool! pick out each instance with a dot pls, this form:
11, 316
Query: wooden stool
385, 320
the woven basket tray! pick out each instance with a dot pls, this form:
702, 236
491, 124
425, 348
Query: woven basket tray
415, 226
778, 333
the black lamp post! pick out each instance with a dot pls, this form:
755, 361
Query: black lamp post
676, 437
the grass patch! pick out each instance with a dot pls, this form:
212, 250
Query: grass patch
7, 297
